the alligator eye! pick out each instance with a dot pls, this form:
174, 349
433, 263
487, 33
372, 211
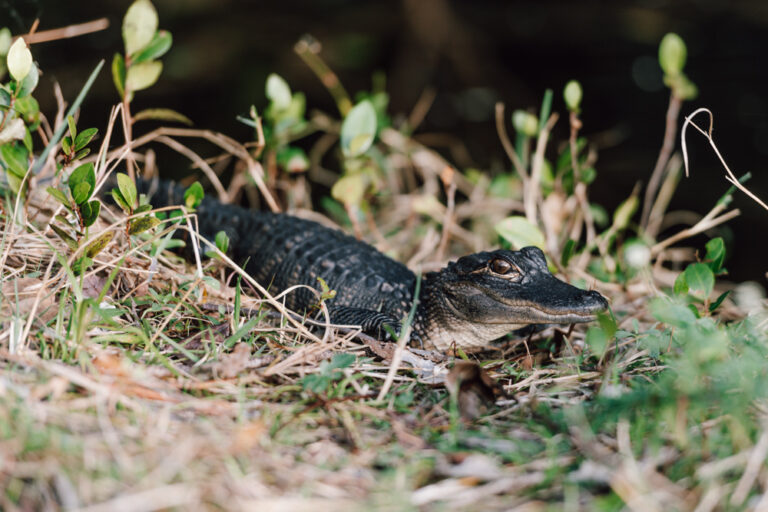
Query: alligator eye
501, 266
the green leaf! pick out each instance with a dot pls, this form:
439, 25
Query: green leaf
292, 159
222, 241
358, 129
672, 313
71, 242
19, 60
624, 212
90, 212
84, 137
81, 192
118, 73
59, 196
350, 189
82, 154
82, 175
681, 286
95, 247
120, 200
700, 278
572, 95
672, 54
143, 75
278, 92
525, 123
139, 26
28, 85
81, 265
340, 361
519, 232
160, 44
142, 224
15, 157
715, 254
568, 250
162, 114
142, 208
66, 145
72, 127
719, 300
597, 340
127, 189
193, 196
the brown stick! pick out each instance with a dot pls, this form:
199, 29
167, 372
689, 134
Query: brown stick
70, 31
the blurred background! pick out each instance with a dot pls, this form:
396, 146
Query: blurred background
472, 54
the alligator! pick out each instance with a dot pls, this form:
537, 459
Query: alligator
467, 304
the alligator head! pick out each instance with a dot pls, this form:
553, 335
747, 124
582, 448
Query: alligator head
489, 294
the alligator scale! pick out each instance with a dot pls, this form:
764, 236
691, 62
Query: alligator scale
470, 302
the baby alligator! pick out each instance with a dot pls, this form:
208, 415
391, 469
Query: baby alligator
470, 302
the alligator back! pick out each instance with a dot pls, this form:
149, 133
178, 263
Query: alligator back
281, 251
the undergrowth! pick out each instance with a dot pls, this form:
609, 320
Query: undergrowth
131, 379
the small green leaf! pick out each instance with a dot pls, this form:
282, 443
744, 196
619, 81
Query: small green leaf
19, 60
90, 212
624, 212
127, 189
81, 265
278, 91
292, 159
82, 175
160, 44
358, 129
719, 300
81, 192
525, 123
568, 250
58, 195
193, 196
118, 73
84, 137
597, 340
715, 254
142, 208
222, 241
350, 189
519, 232
326, 292
81, 154
672, 54
341, 361
72, 127
98, 245
143, 75
120, 200
162, 114
572, 95
15, 157
681, 286
139, 26
700, 278
142, 224
28, 85
66, 145
71, 242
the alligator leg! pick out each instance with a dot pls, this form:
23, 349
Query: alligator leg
372, 322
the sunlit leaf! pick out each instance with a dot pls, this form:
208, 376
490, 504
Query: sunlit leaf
193, 196
19, 59
700, 278
278, 91
15, 157
139, 26
358, 129
127, 189
519, 232
84, 137
58, 195
143, 75
82, 175
350, 189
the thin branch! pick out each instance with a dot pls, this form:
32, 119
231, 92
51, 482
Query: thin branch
501, 129
67, 32
533, 192
708, 134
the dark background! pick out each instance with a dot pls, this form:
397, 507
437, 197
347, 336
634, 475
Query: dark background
473, 54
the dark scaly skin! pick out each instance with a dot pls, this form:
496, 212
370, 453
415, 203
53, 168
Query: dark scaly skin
467, 303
